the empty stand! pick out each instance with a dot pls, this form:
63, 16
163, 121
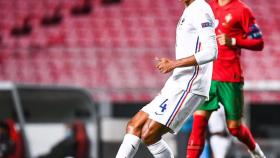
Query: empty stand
113, 48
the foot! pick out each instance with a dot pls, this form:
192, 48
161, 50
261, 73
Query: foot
257, 153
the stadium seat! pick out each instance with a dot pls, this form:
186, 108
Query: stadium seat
114, 46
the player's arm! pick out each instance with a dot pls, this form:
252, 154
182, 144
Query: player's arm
251, 44
252, 39
241, 42
209, 51
208, 54
166, 65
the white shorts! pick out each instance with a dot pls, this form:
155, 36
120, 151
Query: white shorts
172, 107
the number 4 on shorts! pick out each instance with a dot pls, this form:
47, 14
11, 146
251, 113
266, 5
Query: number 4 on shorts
163, 106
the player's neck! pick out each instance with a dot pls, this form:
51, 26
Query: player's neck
188, 3
223, 2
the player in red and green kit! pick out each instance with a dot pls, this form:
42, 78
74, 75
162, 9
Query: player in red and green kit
236, 29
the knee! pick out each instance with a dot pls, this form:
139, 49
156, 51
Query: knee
234, 127
234, 131
202, 113
133, 128
149, 136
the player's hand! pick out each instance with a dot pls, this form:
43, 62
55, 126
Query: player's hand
164, 65
225, 40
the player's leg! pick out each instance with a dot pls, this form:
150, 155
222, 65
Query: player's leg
141, 128
161, 105
244, 135
131, 140
159, 109
151, 136
175, 113
232, 98
240, 131
219, 133
197, 137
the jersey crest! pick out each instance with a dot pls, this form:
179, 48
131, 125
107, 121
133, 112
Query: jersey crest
228, 18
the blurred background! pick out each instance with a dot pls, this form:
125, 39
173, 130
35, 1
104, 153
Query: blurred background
72, 72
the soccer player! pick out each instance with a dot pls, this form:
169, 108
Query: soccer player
236, 29
184, 91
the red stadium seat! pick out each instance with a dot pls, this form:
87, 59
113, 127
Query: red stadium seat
114, 46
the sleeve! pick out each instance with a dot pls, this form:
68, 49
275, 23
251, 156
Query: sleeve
253, 36
247, 19
204, 24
